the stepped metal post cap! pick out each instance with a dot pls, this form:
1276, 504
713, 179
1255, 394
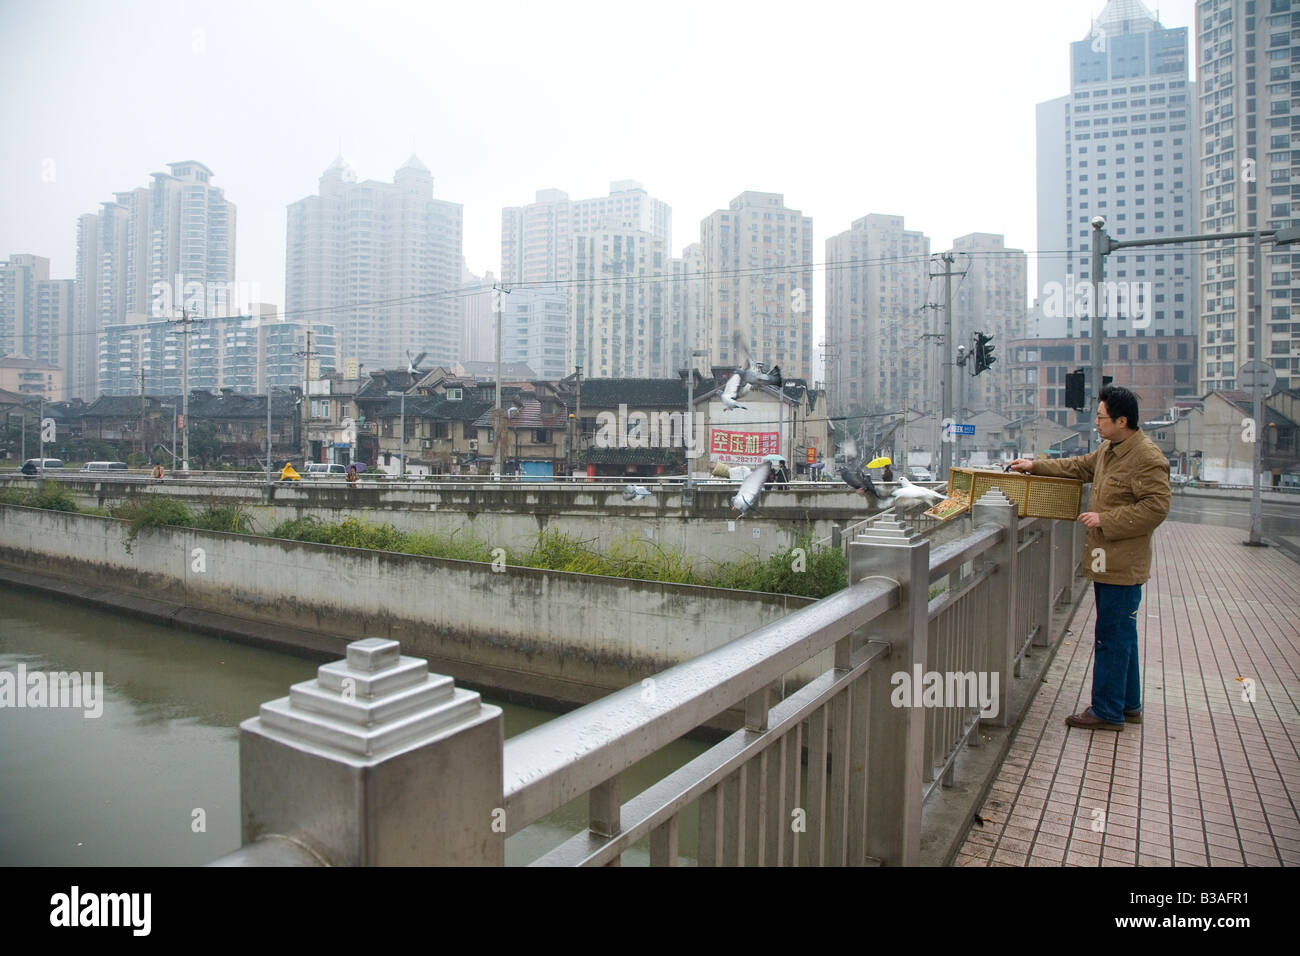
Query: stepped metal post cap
368, 706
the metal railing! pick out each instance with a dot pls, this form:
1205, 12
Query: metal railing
838, 749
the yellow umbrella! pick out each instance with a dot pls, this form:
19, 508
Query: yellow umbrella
879, 463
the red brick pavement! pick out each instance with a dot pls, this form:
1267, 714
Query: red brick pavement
1208, 778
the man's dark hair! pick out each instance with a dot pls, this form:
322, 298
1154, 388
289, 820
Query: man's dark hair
1121, 403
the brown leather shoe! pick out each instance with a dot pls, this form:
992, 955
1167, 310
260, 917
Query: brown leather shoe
1132, 716
1088, 721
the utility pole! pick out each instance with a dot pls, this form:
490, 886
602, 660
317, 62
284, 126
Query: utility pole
498, 294
268, 431
185, 322
945, 345
306, 387
142, 441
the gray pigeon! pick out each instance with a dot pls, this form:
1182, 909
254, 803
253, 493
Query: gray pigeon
751, 489
753, 373
860, 481
636, 492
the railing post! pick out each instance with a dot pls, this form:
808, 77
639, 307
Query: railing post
377, 762
1043, 571
895, 734
994, 508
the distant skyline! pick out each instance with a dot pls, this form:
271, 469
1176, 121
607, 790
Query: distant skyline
926, 113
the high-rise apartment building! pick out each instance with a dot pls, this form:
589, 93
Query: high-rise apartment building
621, 293
536, 238
990, 298
1248, 74
534, 331
148, 253
758, 264
380, 261
877, 352
687, 331
238, 352
478, 320
36, 312
1122, 146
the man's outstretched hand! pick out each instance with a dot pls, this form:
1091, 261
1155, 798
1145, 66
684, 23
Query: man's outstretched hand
1021, 464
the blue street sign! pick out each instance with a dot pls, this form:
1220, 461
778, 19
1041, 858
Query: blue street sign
963, 429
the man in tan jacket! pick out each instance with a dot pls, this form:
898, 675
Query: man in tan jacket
1130, 497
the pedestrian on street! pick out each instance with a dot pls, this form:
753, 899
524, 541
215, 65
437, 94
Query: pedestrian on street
1130, 497
887, 474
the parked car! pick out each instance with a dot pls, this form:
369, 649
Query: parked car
318, 469
104, 466
919, 474
1179, 480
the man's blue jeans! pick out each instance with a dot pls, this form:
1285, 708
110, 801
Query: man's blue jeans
1116, 683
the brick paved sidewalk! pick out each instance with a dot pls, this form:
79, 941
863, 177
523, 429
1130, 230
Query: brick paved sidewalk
1208, 778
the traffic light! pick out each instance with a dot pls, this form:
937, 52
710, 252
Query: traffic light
1074, 390
983, 352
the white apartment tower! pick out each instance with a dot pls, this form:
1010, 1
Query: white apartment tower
382, 262
1248, 70
758, 265
1121, 146
990, 298
536, 238
36, 312
877, 355
619, 303
147, 253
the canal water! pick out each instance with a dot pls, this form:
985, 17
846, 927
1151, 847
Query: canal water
154, 779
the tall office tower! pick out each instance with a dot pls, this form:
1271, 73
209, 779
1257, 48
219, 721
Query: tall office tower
382, 262
990, 298
478, 321
618, 305
148, 253
876, 284
534, 331
535, 239
1247, 56
758, 261
36, 312
1123, 147
687, 332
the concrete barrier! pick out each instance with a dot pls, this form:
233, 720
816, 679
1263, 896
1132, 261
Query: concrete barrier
511, 514
557, 636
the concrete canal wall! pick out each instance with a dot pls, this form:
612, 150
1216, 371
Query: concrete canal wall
550, 635
511, 514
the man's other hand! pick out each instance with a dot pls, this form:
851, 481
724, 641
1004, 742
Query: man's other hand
1090, 519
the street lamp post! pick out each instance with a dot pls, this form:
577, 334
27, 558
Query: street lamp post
401, 439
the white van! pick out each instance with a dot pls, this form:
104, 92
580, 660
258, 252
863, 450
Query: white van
104, 466
318, 469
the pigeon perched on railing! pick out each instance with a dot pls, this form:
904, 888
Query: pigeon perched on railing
751, 489
860, 481
636, 492
910, 497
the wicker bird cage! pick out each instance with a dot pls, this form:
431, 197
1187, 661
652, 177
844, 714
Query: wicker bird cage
1035, 495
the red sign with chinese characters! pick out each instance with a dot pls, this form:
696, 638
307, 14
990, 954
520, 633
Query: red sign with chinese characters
743, 448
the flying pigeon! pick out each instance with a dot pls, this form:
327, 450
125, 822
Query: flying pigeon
636, 492
751, 489
860, 481
731, 391
910, 497
753, 373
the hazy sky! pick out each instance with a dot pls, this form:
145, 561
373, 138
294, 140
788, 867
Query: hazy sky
919, 109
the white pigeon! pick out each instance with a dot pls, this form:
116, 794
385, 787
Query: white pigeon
731, 391
636, 492
910, 497
751, 489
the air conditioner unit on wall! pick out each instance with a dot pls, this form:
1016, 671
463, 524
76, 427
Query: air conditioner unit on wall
473, 444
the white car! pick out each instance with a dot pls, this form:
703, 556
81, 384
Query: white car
919, 474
